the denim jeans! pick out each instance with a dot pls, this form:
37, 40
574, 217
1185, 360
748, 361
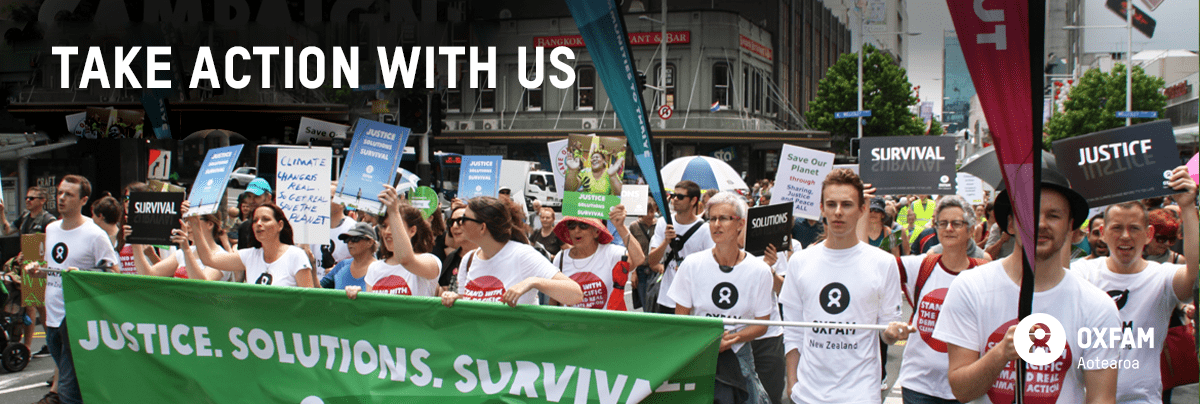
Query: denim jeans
60, 349
913, 397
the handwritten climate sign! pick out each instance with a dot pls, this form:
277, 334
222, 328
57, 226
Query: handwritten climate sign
301, 178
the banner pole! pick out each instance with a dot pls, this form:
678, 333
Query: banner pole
738, 321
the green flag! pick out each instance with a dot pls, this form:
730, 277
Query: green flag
144, 339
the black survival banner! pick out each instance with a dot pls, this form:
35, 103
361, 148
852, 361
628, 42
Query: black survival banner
152, 216
908, 164
1120, 165
771, 224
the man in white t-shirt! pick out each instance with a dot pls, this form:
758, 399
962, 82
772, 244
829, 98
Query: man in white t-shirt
71, 243
1146, 292
683, 201
979, 317
840, 281
328, 255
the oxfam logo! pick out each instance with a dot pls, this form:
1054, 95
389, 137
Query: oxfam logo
1040, 339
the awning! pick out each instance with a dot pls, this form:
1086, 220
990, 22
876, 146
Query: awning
1187, 135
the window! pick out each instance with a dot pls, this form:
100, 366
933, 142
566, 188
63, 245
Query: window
1183, 113
454, 98
746, 94
758, 91
533, 96
720, 81
669, 83
585, 89
487, 94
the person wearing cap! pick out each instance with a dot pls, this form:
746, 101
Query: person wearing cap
361, 241
271, 259
879, 234
407, 266
979, 313
258, 193
505, 268
591, 261
1146, 291
727, 282
328, 255
925, 279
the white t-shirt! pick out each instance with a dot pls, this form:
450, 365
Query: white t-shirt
925, 366
85, 247
744, 293
397, 280
1145, 301
856, 285
699, 241
488, 279
282, 272
336, 246
982, 304
593, 274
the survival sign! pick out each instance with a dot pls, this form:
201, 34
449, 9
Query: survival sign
908, 164
152, 216
208, 191
371, 162
1120, 165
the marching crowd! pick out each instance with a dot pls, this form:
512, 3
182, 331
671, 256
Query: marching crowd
958, 266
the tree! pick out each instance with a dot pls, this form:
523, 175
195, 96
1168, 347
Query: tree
1093, 102
935, 128
886, 92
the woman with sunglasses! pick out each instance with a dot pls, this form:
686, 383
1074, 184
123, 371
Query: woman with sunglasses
407, 268
361, 242
505, 268
591, 261
924, 370
726, 281
272, 258
448, 281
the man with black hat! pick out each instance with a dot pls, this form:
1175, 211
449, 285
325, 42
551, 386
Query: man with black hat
979, 315
1146, 292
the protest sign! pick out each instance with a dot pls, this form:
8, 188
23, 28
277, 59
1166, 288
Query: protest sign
159, 186
301, 178
798, 180
897, 165
771, 224
33, 285
558, 163
316, 129
152, 216
595, 206
1193, 167
75, 123
371, 162
208, 191
970, 188
100, 123
478, 176
636, 199
425, 199
594, 164
1120, 165
414, 351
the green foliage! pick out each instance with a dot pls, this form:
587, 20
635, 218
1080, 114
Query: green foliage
1095, 99
935, 129
886, 92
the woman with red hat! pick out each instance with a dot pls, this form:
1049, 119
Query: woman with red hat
505, 268
591, 261
407, 266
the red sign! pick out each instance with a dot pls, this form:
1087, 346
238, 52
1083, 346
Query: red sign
665, 112
756, 48
1177, 90
635, 38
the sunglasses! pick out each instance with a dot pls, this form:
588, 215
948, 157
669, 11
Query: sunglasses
1165, 239
680, 196
577, 225
459, 220
30, 198
355, 239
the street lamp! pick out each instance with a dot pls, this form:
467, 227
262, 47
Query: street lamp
1129, 55
861, 47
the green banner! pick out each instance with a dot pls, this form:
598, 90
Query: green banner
595, 206
145, 339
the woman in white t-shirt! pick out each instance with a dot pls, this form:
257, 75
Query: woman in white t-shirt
591, 261
924, 370
272, 259
505, 268
407, 266
728, 282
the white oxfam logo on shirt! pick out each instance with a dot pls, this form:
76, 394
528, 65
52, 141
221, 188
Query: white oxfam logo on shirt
1040, 339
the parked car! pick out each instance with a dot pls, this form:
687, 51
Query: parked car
242, 176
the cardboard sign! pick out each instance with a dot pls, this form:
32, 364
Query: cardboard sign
798, 180
1120, 165
301, 181
478, 176
558, 163
316, 129
208, 192
970, 188
636, 199
771, 224
33, 286
588, 163
371, 162
152, 216
897, 165
595, 206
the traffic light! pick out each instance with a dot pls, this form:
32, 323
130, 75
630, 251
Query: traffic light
412, 113
437, 116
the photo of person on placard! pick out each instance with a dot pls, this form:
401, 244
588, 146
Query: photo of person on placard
595, 164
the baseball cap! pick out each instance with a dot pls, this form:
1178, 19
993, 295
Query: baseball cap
258, 187
878, 205
504, 190
360, 229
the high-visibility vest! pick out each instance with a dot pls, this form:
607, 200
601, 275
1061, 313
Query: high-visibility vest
924, 213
